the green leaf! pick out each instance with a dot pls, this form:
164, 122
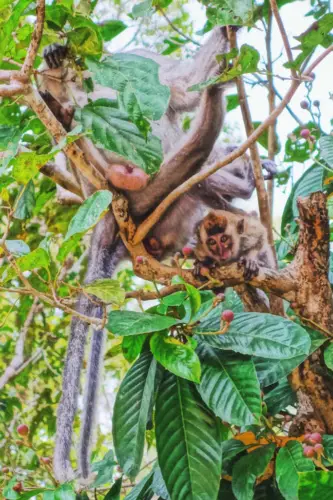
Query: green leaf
260, 334
111, 29
234, 12
131, 413
289, 461
310, 182
109, 291
27, 165
17, 247
33, 493
89, 213
132, 346
315, 485
326, 149
111, 129
65, 492
142, 491
328, 356
114, 493
232, 102
142, 9
8, 491
68, 246
33, 260
229, 386
159, 486
188, 441
270, 371
248, 468
280, 397
85, 39
175, 299
136, 79
328, 446
26, 202
104, 469
134, 323
176, 357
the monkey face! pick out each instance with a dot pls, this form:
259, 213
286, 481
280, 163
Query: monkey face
220, 246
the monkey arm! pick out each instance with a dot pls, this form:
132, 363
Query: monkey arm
188, 156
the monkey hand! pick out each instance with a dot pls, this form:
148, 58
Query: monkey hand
201, 270
54, 55
270, 167
251, 268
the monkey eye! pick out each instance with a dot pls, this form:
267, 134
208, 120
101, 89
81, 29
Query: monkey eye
211, 242
224, 238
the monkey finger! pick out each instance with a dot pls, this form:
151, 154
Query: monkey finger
269, 166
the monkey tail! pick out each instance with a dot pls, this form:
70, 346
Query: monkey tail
94, 371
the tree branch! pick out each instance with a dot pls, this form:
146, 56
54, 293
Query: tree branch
155, 216
35, 41
284, 36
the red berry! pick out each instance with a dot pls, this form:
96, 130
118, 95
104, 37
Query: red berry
187, 251
307, 437
45, 460
23, 430
228, 315
316, 103
304, 105
312, 138
139, 259
316, 437
309, 451
220, 296
5, 470
18, 487
305, 133
319, 449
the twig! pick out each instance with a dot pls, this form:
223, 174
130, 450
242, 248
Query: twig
142, 295
18, 359
155, 216
35, 40
62, 177
271, 103
284, 36
177, 30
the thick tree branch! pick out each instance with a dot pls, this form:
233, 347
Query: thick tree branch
284, 36
150, 221
35, 41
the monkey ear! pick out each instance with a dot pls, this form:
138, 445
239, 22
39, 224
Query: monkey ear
240, 226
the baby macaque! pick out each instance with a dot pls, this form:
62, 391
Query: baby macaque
224, 238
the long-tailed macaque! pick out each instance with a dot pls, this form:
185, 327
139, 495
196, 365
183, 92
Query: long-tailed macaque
224, 238
184, 155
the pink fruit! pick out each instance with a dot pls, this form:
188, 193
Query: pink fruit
305, 133
316, 437
220, 296
139, 259
23, 430
304, 105
18, 487
307, 436
5, 470
228, 315
309, 451
316, 103
187, 251
312, 138
45, 460
318, 448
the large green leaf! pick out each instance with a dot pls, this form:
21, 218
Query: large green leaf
289, 461
136, 79
280, 397
111, 29
326, 149
270, 371
310, 182
26, 202
111, 129
158, 485
315, 485
17, 247
131, 413
132, 346
229, 386
176, 357
143, 490
248, 468
85, 37
89, 213
134, 323
188, 440
109, 291
263, 335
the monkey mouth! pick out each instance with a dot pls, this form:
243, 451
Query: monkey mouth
225, 253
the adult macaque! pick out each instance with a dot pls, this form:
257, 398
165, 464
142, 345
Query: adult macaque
224, 238
184, 155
